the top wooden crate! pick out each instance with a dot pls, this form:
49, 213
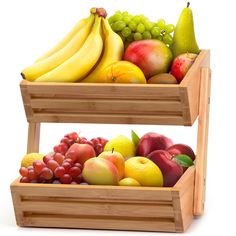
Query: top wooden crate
116, 103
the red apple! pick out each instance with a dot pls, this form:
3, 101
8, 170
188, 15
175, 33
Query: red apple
151, 56
179, 148
80, 152
182, 64
151, 142
171, 171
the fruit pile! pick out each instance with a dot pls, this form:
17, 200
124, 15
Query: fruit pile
93, 51
152, 160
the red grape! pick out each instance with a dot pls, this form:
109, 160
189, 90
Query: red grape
59, 171
73, 136
59, 158
46, 173
102, 141
73, 182
78, 179
24, 180
74, 171
38, 166
47, 158
95, 141
66, 179
67, 166
56, 181
77, 164
62, 148
66, 141
82, 140
32, 175
23, 171
52, 165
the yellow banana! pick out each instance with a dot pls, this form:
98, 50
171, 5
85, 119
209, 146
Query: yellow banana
36, 70
79, 65
65, 40
113, 51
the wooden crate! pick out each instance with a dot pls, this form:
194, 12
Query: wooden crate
105, 207
116, 103
117, 207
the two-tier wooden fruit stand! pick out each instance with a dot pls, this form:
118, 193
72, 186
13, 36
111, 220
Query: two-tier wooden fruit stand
117, 207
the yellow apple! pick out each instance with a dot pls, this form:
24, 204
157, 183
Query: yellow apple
146, 172
122, 145
117, 159
129, 182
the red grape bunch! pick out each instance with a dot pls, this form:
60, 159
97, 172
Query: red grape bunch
55, 167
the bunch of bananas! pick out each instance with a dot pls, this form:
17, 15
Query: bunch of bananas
85, 51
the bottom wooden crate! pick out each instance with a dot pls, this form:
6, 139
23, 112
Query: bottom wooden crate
105, 207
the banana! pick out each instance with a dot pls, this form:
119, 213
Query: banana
113, 51
79, 65
36, 70
65, 40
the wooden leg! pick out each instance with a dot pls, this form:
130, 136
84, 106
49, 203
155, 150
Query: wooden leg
202, 139
33, 137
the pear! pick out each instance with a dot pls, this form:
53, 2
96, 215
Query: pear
184, 37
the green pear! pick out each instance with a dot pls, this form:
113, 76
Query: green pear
184, 37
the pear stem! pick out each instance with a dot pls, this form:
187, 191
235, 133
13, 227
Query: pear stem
112, 150
188, 4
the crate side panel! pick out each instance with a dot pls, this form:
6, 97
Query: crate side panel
191, 82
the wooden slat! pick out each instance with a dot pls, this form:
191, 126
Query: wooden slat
202, 141
104, 105
99, 208
96, 90
135, 223
109, 118
93, 192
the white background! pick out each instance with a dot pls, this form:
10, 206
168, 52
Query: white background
29, 28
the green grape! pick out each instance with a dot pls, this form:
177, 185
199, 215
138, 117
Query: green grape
140, 28
161, 23
160, 38
132, 25
148, 25
126, 32
169, 28
137, 36
167, 39
118, 12
136, 19
110, 20
147, 35
125, 13
116, 17
127, 19
155, 31
130, 38
118, 25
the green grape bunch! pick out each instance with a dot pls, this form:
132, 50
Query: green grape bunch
133, 28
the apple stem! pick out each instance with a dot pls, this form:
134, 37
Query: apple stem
188, 3
112, 150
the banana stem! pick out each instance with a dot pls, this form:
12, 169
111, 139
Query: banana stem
99, 11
